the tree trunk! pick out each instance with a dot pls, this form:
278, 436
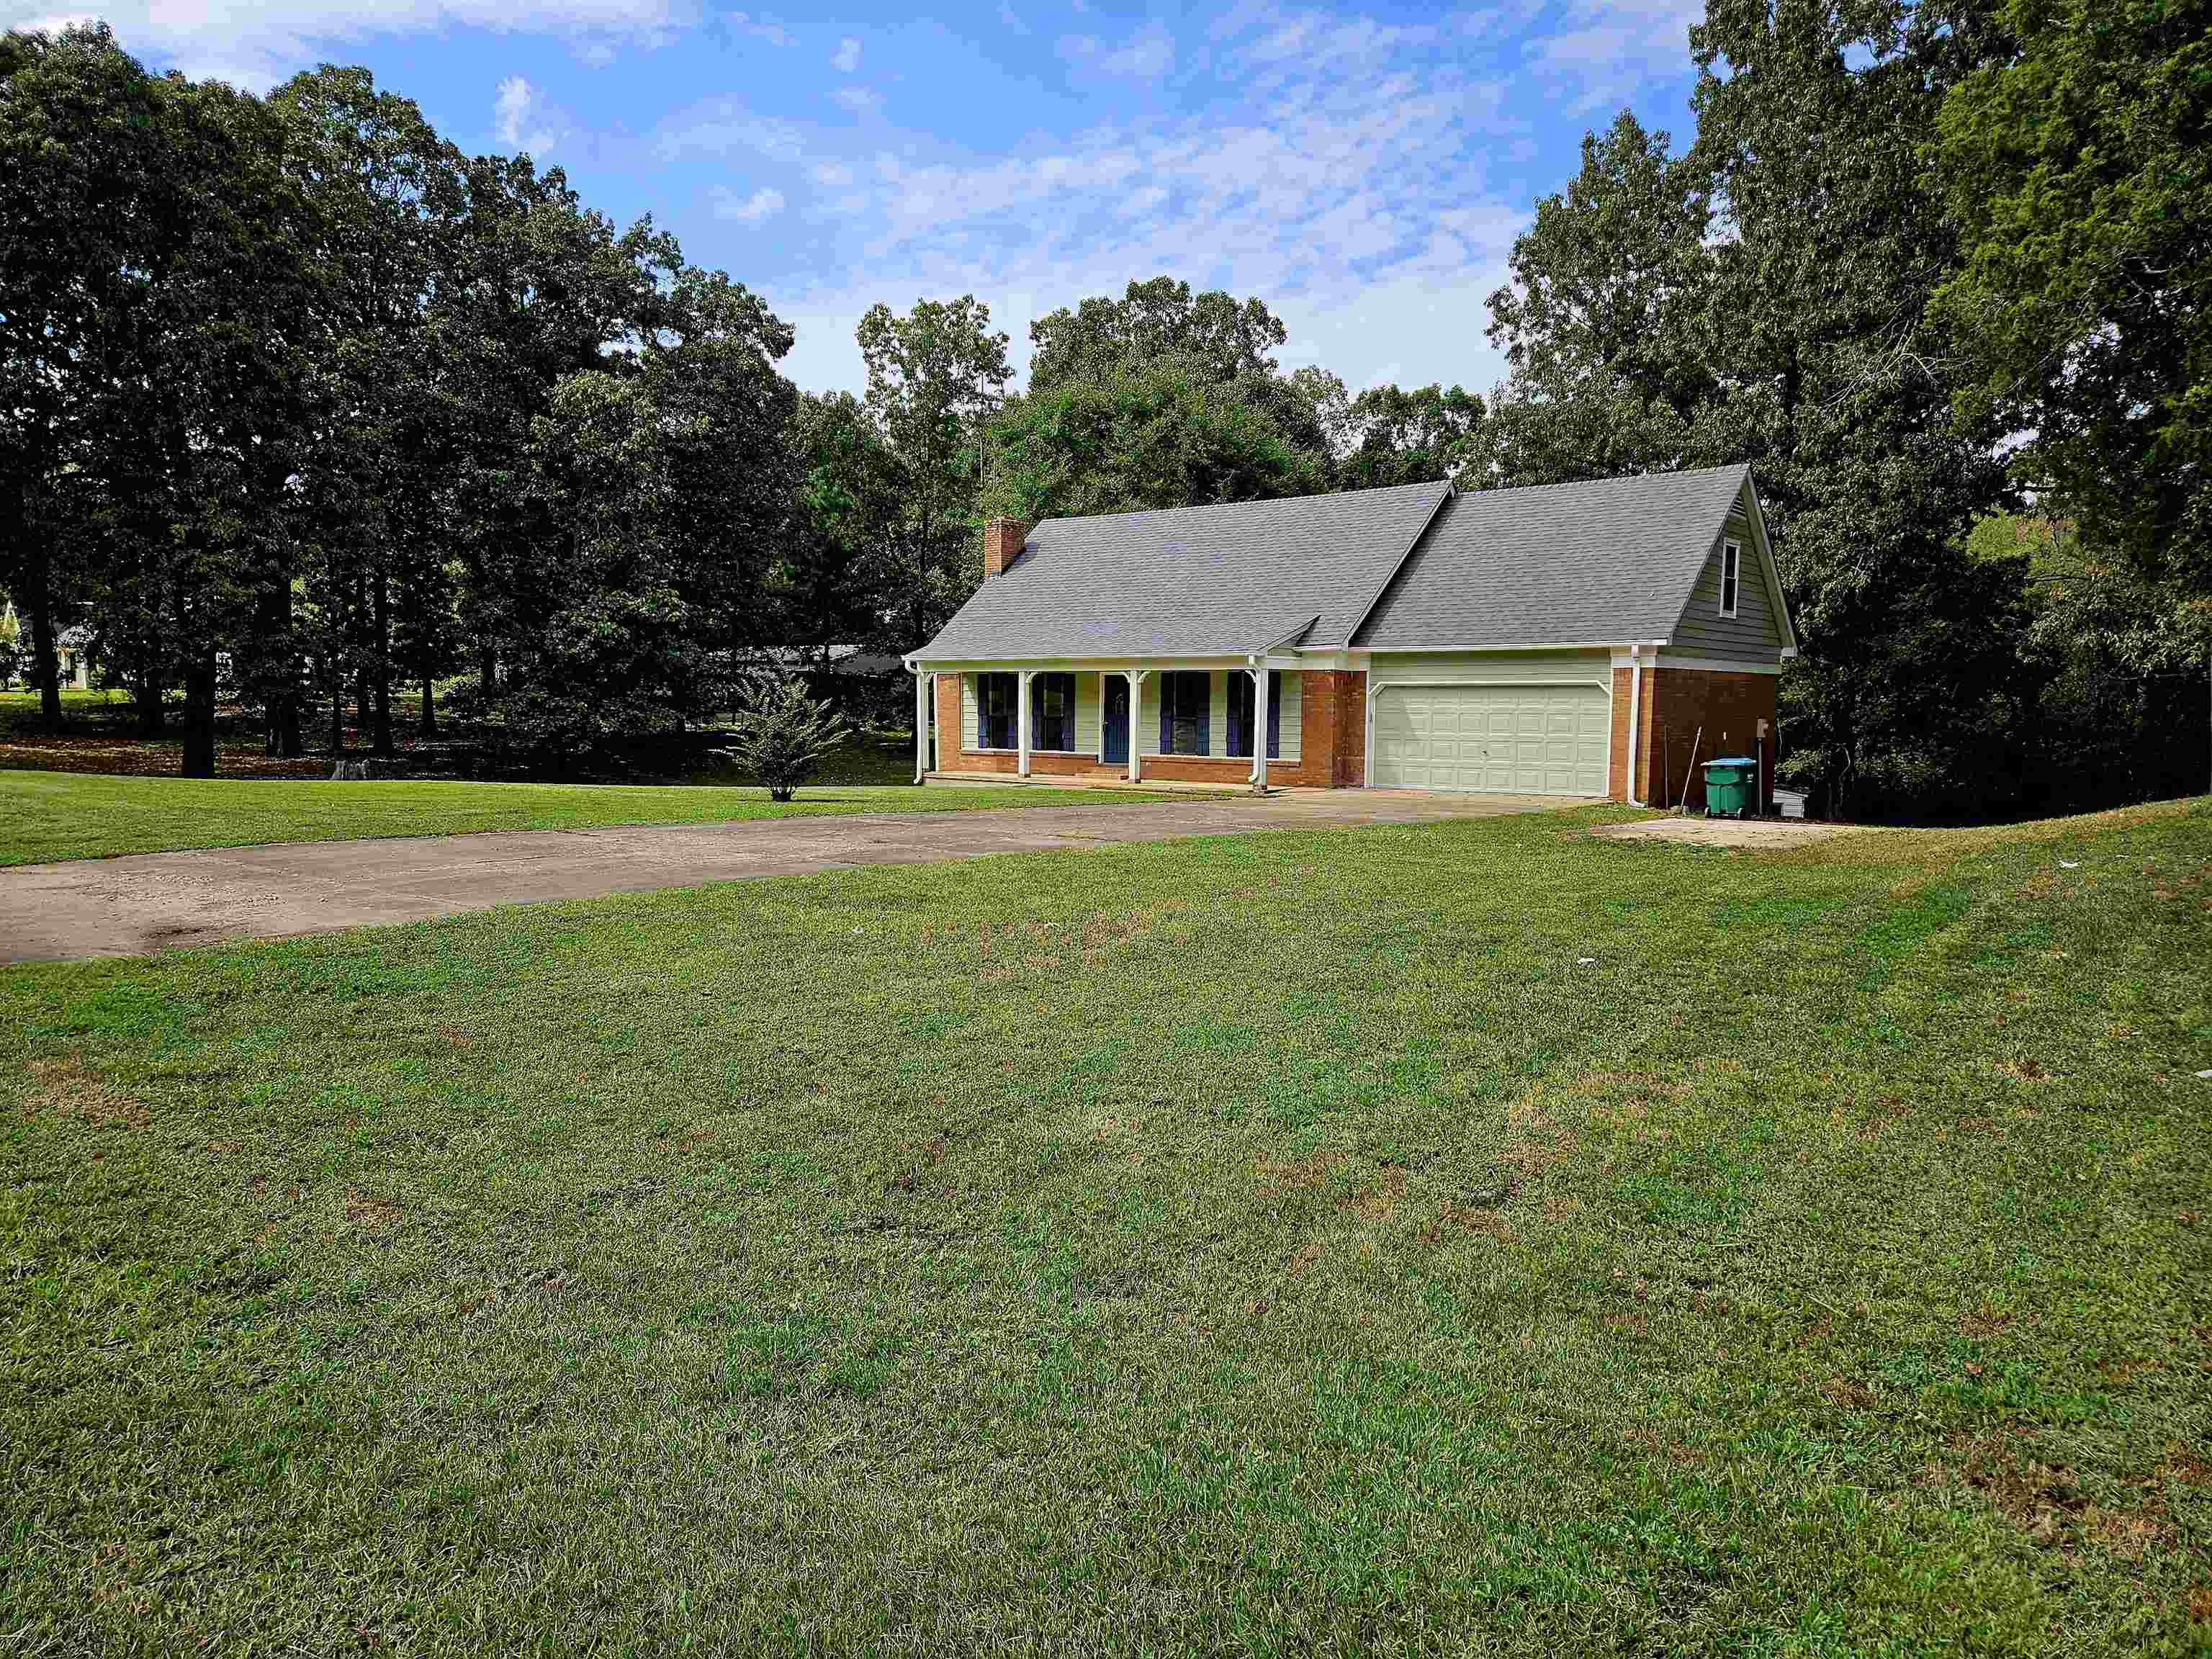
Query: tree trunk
46, 650
281, 683
382, 667
146, 694
427, 727
199, 715
337, 713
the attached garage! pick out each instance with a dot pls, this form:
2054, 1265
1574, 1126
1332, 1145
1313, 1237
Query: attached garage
1512, 739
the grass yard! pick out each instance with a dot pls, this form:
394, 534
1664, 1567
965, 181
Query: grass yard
1461, 1238
77, 815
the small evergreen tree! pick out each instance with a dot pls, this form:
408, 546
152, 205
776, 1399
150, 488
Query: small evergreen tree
781, 734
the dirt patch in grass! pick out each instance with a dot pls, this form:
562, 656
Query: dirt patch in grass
68, 1088
1769, 833
365, 1212
2042, 1499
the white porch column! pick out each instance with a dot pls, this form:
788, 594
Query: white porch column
923, 685
1022, 717
1260, 729
1136, 677
1635, 715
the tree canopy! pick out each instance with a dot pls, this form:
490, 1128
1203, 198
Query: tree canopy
299, 402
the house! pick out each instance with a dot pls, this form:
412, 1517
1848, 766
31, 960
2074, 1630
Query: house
72, 653
1571, 640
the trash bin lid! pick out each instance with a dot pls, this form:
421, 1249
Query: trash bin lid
1733, 760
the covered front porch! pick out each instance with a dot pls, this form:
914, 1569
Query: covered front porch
1210, 721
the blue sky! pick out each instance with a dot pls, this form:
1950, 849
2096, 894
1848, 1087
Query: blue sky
1364, 171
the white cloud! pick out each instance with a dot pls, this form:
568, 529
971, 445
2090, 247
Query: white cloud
847, 57
512, 119
1341, 177
724, 125
1604, 51
762, 204
257, 44
763, 28
1147, 54
859, 100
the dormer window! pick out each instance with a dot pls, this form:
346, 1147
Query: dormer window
1731, 576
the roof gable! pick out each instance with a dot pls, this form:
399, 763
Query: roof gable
1606, 561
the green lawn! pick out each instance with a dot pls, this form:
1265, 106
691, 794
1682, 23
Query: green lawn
1462, 1237
80, 815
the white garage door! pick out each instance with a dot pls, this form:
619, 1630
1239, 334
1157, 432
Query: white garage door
1519, 740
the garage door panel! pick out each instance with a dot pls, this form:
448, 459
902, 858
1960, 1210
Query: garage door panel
1546, 740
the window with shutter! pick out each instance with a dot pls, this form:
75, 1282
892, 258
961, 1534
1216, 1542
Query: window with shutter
1183, 699
1052, 712
1241, 694
997, 696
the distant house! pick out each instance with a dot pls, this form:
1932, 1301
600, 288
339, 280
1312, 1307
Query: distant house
73, 650
1567, 640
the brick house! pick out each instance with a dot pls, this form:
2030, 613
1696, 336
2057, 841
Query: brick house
1571, 640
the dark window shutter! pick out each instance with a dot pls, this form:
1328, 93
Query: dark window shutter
1274, 715
1167, 714
1204, 685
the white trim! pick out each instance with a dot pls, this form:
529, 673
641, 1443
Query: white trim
1022, 716
1116, 660
1635, 709
1399, 564
1710, 664
1136, 676
1450, 650
1731, 553
1259, 733
925, 694
1277, 645
1769, 570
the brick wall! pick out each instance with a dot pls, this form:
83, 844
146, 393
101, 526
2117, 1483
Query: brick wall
1624, 786
1332, 727
1680, 704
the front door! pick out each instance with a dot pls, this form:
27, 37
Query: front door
1116, 703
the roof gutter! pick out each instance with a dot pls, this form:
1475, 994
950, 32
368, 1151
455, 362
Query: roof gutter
1399, 564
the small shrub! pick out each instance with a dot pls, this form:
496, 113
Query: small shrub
781, 735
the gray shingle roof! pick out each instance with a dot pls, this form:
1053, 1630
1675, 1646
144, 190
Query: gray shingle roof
1192, 580
1601, 562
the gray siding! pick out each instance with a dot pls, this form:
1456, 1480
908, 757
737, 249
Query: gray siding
1753, 633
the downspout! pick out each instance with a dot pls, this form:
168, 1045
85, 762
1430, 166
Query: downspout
1635, 715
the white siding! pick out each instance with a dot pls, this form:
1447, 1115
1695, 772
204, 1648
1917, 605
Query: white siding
1148, 718
968, 712
1217, 713
1287, 687
1086, 713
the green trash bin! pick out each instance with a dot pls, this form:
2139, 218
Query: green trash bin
1732, 787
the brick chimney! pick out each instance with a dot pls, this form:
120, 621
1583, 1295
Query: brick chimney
1002, 544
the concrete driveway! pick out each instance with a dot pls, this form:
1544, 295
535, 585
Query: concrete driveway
154, 902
